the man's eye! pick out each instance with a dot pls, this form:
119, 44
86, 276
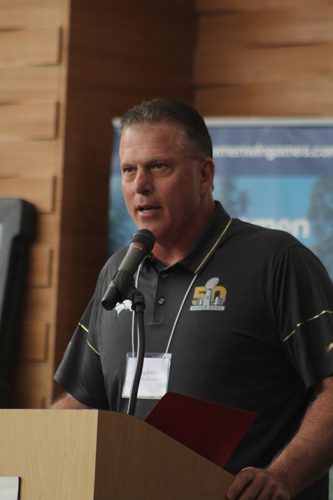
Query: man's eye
127, 170
158, 166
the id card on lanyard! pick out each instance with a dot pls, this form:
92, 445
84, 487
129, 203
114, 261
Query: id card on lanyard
156, 367
155, 375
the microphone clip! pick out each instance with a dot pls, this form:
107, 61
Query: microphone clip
123, 289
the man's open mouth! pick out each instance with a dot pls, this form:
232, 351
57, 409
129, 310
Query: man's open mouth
147, 208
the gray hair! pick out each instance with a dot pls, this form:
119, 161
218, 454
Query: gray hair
172, 111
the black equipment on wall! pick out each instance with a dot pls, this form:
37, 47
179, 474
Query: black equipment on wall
17, 223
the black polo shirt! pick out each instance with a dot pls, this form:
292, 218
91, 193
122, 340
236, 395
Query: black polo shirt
255, 331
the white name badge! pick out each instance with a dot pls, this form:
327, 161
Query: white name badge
154, 379
9, 488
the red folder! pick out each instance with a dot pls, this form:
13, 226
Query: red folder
211, 429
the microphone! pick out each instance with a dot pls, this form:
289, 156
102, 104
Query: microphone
122, 282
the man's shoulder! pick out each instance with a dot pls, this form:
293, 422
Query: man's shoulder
264, 235
262, 241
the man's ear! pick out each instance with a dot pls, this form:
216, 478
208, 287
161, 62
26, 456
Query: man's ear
207, 174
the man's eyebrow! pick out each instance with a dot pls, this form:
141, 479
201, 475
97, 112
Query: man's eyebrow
159, 160
122, 165
148, 163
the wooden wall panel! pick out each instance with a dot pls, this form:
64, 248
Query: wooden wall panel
34, 341
29, 120
28, 159
33, 72
214, 6
38, 305
29, 47
29, 83
39, 191
31, 13
62, 79
31, 382
266, 29
47, 229
130, 44
280, 99
243, 66
268, 57
40, 266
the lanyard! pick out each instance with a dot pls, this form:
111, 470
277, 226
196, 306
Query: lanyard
177, 316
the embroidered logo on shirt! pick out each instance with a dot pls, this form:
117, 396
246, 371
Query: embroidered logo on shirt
210, 297
121, 306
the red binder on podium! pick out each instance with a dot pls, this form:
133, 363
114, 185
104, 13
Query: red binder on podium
211, 429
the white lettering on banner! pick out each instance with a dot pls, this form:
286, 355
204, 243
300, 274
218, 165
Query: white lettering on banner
272, 152
300, 228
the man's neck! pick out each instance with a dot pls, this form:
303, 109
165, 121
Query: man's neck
171, 252
168, 256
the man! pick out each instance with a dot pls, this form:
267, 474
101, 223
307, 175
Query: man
244, 313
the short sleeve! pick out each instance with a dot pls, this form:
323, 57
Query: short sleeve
303, 310
80, 372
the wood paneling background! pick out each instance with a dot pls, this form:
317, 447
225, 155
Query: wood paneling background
32, 82
67, 67
268, 58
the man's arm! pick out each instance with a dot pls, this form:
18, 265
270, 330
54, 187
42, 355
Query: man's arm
304, 460
67, 402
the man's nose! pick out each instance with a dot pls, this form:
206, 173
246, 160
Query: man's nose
143, 181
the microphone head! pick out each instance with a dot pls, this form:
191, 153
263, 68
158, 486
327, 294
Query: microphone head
144, 238
122, 282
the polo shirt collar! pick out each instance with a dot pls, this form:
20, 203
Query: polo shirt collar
206, 244
208, 241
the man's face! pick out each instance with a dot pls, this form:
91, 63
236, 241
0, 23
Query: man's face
163, 184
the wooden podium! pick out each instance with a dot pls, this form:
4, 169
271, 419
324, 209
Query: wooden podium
99, 455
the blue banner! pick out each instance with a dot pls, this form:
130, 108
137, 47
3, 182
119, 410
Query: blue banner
277, 173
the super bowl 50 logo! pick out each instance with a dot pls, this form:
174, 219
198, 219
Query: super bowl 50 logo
210, 297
